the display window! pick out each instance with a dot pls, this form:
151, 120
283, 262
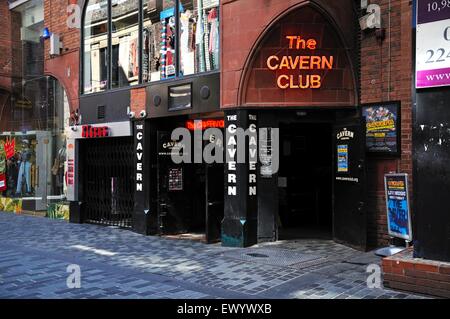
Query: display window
125, 44
33, 164
199, 36
20, 168
160, 53
33, 123
95, 46
159, 37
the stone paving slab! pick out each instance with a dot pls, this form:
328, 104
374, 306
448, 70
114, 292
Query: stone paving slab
117, 263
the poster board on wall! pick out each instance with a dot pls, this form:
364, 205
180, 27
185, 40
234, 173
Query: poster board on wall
383, 128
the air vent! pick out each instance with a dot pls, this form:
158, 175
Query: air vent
101, 112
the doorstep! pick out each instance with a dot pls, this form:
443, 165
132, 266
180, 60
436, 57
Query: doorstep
404, 272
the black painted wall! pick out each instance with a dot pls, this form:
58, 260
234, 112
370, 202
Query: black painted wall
114, 103
205, 96
432, 174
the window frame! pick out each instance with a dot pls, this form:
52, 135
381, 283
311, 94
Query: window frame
141, 84
82, 53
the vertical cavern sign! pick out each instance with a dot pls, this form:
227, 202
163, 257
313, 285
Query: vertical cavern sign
139, 129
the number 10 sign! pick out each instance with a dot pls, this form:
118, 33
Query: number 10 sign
433, 43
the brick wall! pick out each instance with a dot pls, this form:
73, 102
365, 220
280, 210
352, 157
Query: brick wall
403, 272
5, 46
386, 75
66, 66
138, 100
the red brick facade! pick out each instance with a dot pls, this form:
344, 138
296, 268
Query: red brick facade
66, 66
403, 272
138, 100
5, 47
10, 59
386, 74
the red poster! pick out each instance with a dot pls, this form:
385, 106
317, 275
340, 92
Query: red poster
10, 148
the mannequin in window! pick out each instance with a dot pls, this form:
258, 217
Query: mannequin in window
12, 170
24, 169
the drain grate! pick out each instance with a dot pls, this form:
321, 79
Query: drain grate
276, 257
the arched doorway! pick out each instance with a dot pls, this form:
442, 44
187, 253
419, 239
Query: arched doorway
300, 80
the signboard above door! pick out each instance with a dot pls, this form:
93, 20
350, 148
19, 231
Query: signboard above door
300, 61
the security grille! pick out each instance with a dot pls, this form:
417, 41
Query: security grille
108, 181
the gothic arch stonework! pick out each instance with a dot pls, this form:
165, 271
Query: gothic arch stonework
246, 79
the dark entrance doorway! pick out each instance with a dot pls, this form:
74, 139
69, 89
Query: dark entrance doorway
107, 168
190, 196
305, 181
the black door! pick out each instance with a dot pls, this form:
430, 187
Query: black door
214, 187
350, 217
173, 204
214, 202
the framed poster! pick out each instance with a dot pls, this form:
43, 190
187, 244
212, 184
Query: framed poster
432, 44
382, 128
397, 206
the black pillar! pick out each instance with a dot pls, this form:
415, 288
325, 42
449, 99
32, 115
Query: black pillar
268, 198
239, 227
144, 214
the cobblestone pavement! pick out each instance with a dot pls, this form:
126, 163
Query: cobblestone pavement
116, 263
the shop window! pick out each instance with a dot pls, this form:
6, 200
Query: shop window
164, 54
199, 36
159, 35
125, 43
95, 46
33, 118
33, 151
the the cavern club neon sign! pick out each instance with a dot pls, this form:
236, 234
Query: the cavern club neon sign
300, 62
